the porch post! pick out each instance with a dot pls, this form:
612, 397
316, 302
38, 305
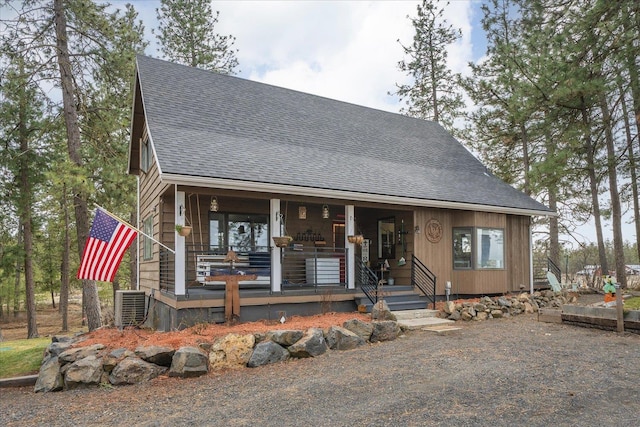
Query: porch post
350, 230
275, 228
180, 243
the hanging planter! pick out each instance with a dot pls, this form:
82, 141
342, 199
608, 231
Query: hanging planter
282, 241
183, 230
357, 239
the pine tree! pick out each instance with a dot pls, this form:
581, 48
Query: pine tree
433, 94
186, 30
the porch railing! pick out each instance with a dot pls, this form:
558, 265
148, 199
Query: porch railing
423, 279
300, 269
167, 270
367, 280
552, 267
314, 267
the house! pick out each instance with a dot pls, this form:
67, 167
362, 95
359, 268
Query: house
368, 197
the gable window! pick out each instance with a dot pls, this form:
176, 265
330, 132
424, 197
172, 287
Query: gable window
240, 232
479, 248
145, 155
147, 227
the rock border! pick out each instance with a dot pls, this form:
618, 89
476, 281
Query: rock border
66, 367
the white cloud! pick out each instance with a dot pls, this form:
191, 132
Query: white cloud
346, 50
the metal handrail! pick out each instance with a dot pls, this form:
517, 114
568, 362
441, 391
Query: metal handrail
553, 268
368, 281
167, 270
314, 267
423, 279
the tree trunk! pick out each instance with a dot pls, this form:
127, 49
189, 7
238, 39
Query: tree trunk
64, 268
593, 183
616, 211
19, 266
91, 301
632, 167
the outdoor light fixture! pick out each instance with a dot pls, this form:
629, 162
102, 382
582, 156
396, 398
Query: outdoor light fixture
214, 205
241, 230
417, 229
325, 211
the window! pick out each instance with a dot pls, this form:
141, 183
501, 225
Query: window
462, 244
386, 238
479, 248
147, 228
240, 232
145, 155
490, 248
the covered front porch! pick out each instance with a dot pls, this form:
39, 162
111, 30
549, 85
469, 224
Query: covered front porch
322, 268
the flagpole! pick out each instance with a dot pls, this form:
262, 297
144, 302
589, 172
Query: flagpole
134, 228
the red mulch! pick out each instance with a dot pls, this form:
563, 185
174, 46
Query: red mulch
131, 338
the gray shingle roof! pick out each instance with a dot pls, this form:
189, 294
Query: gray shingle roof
204, 124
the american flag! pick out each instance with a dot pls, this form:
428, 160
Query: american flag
104, 248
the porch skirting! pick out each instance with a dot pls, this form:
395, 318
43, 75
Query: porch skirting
168, 312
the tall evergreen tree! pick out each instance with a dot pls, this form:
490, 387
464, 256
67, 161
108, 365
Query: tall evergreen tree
433, 93
186, 30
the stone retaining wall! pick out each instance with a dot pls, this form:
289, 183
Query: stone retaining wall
67, 367
505, 306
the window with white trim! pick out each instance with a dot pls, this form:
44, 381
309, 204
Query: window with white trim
147, 228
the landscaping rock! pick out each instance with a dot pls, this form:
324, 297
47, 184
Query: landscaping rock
339, 338
157, 355
380, 311
49, 377
360, 328
83, 372
188, 362
312, 344
133, 370
56, 348
267, 352
112, 359
74, 354
284, 337
385, 331
231, 351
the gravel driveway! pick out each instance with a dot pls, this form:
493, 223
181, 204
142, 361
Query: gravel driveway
515, 371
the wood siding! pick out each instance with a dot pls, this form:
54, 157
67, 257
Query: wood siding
150, 190
438, 257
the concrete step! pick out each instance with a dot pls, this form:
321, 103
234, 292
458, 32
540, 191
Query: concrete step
415, 314
424, 322
395, 298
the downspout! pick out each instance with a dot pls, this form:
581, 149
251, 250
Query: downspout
530, 256
138, 239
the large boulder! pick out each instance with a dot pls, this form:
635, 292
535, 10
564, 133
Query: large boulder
83, 372
339, 338
49, 377
231, 351
360, 328
114, 357
189, 362
267, 352
56, 348
312, 344
386, 330
156, 354
285, 337
381, 311
132, 370
73, 354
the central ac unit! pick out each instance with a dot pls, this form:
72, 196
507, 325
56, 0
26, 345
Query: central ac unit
129, 308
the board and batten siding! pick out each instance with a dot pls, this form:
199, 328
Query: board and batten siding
438, 256
150, 190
